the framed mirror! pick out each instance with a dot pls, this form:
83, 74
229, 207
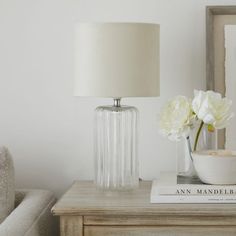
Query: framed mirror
221, 62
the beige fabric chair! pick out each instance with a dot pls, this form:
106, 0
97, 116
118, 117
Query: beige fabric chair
7, 184
25, 212
31, 216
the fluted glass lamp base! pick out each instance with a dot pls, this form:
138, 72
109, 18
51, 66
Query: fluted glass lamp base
116, 161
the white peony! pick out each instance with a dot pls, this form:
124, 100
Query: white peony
211, 108
176, 118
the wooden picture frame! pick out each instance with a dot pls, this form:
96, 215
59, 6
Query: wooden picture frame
216, 18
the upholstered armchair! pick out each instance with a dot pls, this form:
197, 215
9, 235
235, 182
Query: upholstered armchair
24, 212
31, 216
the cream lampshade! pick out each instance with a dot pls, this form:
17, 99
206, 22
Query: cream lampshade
116, 60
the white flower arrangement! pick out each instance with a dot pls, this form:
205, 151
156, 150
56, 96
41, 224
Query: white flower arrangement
180, 114
176, 118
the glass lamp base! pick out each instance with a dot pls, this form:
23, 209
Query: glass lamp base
116, 162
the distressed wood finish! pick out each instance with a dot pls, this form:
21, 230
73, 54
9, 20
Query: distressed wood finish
71, 225
160, 220
216, 18
159, 231
84, 199
84, 210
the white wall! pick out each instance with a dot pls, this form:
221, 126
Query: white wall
48, 131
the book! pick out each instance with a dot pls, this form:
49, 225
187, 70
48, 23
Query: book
170, 183
171, 188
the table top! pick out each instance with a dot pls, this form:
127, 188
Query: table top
83, 198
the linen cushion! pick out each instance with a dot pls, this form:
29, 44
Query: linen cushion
7, 184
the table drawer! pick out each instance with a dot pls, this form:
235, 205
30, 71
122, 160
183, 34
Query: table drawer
160, 220
158, 231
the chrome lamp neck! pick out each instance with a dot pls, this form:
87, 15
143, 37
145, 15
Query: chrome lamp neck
117, 102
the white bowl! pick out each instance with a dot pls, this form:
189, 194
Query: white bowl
215, 166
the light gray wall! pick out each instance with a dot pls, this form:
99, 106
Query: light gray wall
48, 131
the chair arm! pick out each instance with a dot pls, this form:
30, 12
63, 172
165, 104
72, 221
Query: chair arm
31, 216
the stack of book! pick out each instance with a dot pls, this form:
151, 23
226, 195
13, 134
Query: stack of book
170, 188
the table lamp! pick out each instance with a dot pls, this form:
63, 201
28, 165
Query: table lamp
116, 60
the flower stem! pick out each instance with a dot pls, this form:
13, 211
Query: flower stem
197, 136
189, 147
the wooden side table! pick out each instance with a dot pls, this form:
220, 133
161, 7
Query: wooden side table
83, 210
